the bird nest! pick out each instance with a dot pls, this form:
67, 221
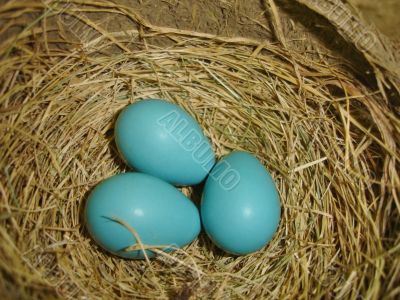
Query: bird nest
329, 141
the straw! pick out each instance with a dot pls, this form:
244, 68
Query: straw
330, 143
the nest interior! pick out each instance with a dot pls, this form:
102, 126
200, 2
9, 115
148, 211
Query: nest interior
329, 140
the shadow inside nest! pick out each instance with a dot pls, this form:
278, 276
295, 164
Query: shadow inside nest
112, 146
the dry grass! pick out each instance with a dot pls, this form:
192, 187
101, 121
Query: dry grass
330, 143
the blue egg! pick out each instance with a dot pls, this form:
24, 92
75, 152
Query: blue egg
159, 213
240, 207
159, 138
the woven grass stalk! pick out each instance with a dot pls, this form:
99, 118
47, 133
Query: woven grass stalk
330, 142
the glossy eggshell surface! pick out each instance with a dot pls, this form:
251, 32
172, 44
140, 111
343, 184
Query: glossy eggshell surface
157, 211
161, 139
240, 207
